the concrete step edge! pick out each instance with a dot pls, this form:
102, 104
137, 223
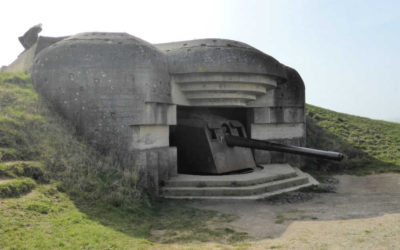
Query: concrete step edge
236, 191
230, 183
239, 187
235, 198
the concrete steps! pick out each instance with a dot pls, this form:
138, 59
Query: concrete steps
273, 179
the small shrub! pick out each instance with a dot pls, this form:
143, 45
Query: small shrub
14, 78
30, 169
38, 207
9, 154
16, 187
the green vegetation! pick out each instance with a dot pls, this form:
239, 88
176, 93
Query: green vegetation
16, 187
371, 146
80, 198
30, 169
49, 219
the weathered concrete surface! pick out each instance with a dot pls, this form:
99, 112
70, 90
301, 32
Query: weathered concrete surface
277, 115
272, 180
219, 72
220, 88
116, 89
292, 92
152, 166
270, 173
283, 110
219, 55
277, 131
355, 197
103, 82
149, 136
30, 37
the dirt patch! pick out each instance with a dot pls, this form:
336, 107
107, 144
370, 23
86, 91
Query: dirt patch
372, 233
32, 193
2, 181
350, 197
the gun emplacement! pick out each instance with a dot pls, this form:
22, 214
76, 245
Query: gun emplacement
266, 145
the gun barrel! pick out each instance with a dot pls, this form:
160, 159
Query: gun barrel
265, 145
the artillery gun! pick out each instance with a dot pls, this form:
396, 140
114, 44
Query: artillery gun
214, 145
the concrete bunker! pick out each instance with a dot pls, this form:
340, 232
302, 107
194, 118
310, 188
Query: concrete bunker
133, 98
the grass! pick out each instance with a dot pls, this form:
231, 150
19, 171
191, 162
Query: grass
16, 187
32, 169
370, 146
49, 219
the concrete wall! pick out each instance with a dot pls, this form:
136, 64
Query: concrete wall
116, 89
220, 72
281, 120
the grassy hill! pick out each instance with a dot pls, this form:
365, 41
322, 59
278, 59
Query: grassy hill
57, 192
370, 146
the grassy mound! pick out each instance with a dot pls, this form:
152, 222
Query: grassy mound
371, 146
16, 187
30, 131
32, 169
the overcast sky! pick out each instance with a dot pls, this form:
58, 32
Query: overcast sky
348, 52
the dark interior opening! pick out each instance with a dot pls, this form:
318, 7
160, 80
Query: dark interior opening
234, 113
185, 113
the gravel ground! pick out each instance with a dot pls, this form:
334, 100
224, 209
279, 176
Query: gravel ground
357, 213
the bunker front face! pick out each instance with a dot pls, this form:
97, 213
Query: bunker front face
167, 109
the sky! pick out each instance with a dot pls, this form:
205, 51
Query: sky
347, 51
